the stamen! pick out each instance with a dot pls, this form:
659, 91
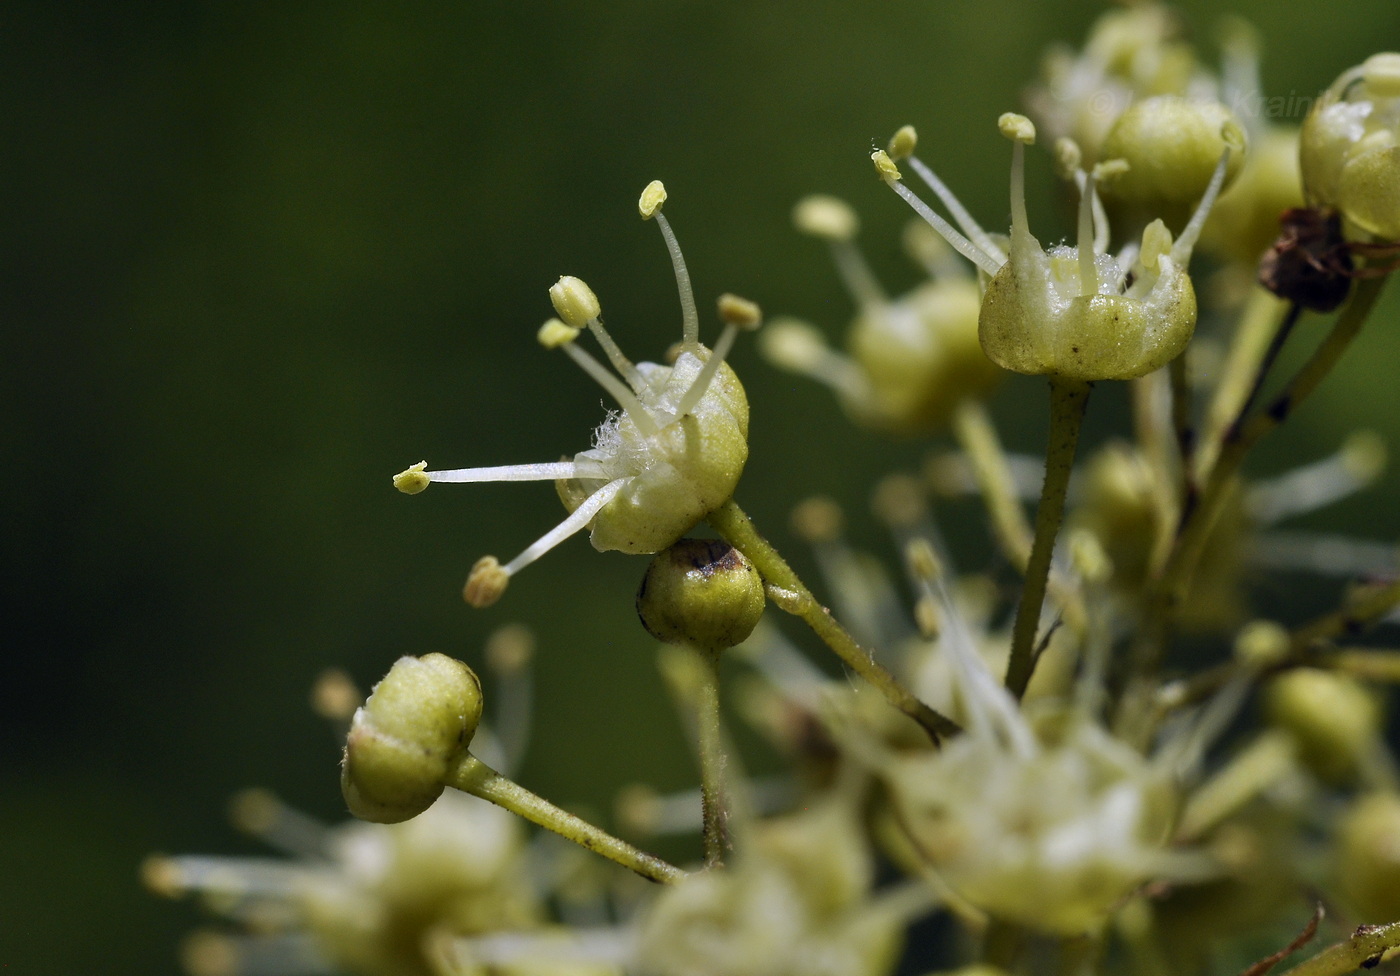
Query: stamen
855, 273
577, 520
990, 707
222, 954
1181, 250
261, 814
798, 347
1357, 465
707, 372
508, 653
620, 362
625, 398
227, 876
1327, 555
1088, 273
890, 174
960, 213
690, 319
545, 471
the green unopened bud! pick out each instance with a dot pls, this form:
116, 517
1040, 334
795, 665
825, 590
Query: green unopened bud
700, 592
574, 301
1334, 718
417, 720
1172, 146
1350, 149
1368, 858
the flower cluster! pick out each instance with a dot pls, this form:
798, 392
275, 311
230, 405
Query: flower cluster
1083, 751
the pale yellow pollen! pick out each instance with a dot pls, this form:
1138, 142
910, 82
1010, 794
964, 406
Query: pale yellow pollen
923, 561
898, 501
1363, 455
510, 648
817, 519
740, 312
163, 876
574, 301
1017, 128
1087, 556
254, 811
487, 581
884, 166
928, 617
334, 696
555, 333
903, 142
651, 200
1110, 169
1156, 241
1068, 157
824, 216
413, 479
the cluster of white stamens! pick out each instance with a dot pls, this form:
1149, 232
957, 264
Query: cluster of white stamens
670, 456
1078, 311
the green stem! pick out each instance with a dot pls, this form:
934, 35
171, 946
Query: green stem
713, 810
1068, 398
1368, 942
789, 593
471, 775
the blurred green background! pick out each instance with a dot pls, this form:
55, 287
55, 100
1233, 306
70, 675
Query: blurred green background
260, 256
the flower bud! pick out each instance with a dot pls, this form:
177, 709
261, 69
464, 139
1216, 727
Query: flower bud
417, 720
700, 592
1368, 857
1350, 149
1334, 718
1171, 146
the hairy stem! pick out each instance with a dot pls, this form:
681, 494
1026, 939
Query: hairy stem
1068, 398
471, 775
714, 814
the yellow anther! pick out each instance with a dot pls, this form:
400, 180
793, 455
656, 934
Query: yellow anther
927, 617
555, 333
574, 301
817, 519
885, 166
1110, 169
652, 199
1017, 128
827, 217
1156, 241
486, 583
903, 142
1068, 157
1363, 455
923, 561
1088, 558
412, 480
741, 312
